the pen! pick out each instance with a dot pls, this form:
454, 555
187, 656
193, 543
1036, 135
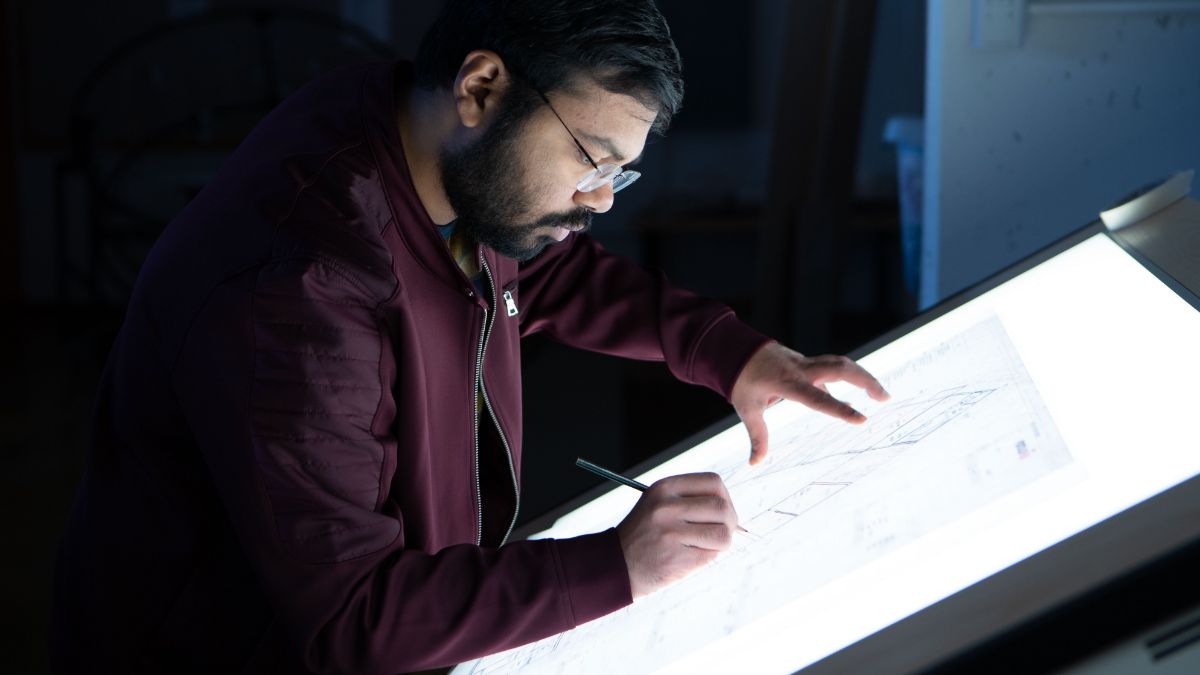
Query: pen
611, 475
618, 478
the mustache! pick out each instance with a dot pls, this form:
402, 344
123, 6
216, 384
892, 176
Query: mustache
579, 219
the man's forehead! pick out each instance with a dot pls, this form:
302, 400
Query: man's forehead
617, 123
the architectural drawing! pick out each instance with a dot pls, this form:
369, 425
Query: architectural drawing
965, 427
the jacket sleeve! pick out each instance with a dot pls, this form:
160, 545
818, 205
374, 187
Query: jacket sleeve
584, 296
280, 382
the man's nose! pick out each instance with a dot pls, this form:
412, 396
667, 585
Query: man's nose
599, 200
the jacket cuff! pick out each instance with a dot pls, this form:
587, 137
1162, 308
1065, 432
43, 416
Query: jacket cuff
722, 353
597, 580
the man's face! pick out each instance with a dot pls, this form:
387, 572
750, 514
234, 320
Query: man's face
513, 188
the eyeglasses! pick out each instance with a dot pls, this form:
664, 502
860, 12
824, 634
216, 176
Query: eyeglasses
601, 174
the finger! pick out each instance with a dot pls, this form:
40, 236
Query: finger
699, 557
704, 509
823, 401
692, 484
708, 536
730, 510
834, 368
756, 427
724, 493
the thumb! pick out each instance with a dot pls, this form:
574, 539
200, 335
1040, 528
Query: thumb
757, 428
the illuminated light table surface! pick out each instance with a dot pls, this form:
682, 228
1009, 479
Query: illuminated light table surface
1040, 443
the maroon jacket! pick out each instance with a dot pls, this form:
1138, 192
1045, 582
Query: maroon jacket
284, 474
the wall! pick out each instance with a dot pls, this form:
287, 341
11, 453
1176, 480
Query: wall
1030, 133
895, 86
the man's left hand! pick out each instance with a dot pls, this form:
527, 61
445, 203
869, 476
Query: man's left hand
776, 372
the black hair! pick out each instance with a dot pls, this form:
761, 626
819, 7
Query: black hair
625, 46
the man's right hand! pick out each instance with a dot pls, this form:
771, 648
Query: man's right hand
680, 524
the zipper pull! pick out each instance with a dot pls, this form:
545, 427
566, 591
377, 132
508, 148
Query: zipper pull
510, 303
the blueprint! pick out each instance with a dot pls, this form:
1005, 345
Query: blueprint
965, 426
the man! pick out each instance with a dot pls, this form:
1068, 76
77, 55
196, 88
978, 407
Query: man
306, 448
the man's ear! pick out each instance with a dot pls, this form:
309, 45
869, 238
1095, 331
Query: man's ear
481, 82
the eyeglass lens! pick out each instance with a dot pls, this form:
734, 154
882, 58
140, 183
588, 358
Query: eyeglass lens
605, 174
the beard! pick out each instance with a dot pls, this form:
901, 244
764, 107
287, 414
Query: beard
486, 185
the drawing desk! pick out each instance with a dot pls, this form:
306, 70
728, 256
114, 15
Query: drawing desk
1037, 464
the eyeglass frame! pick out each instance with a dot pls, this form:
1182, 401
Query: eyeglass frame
597, 173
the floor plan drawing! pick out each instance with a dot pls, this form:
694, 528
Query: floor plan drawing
965, 426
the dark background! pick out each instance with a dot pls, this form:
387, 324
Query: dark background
112, 115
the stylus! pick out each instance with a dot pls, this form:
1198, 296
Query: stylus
618, 478
611, 475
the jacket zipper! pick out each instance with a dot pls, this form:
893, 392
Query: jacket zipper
475, 417
484, 336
